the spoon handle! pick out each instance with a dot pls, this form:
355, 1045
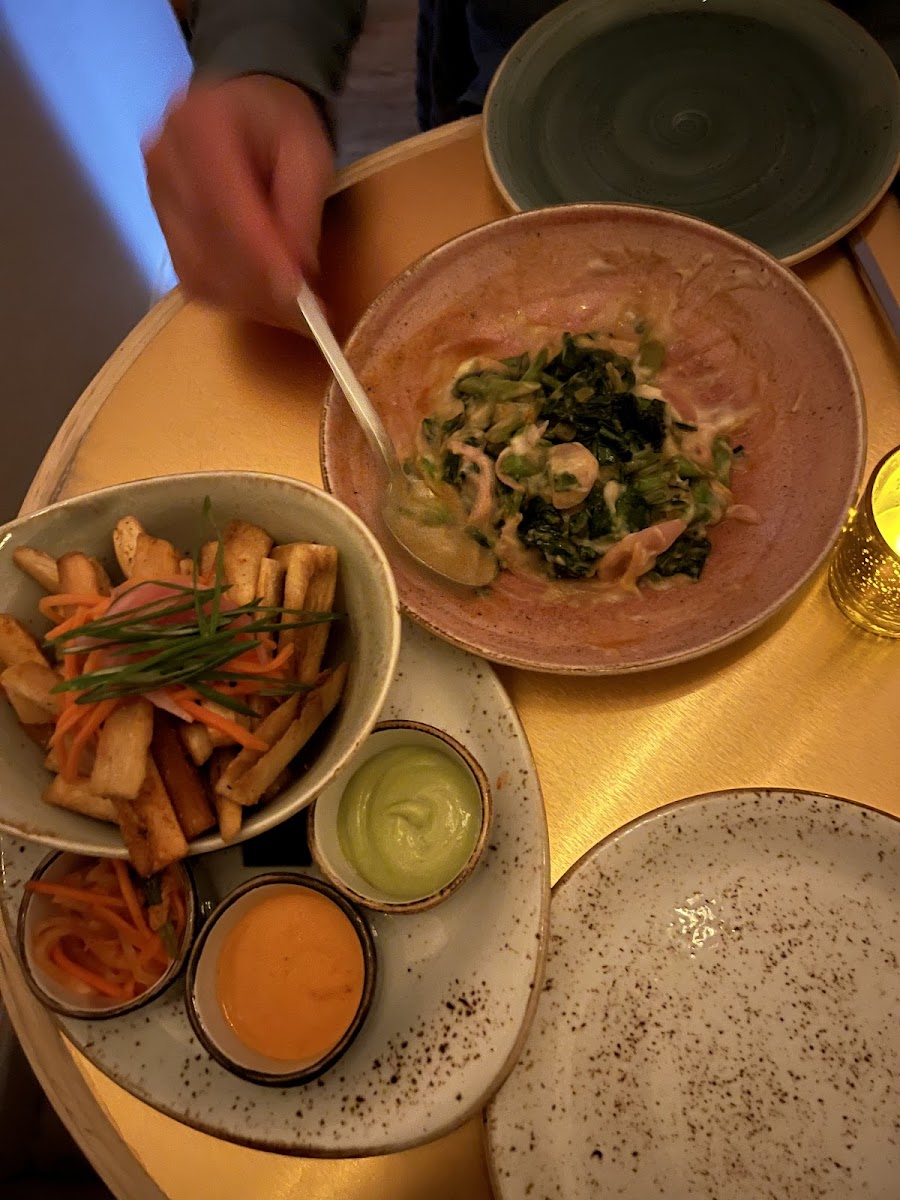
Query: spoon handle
345, 375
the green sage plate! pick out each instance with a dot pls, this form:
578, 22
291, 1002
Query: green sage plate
779, 121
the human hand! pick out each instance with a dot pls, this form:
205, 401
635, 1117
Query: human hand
238, 176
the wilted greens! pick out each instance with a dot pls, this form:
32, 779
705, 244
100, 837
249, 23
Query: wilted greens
561, 456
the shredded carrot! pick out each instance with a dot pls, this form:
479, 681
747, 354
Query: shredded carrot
269, 668
74, 622
97, 939
177, 902
67, 720
81, 616
93, 661
60, 891
93, 980
99, 608
73, 714
140, 941
71, 757
128, 893
71, 670
216, 721
48, 604
153, 952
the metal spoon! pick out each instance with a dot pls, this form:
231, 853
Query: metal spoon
418, 519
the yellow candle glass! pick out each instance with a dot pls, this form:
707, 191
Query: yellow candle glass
865, 568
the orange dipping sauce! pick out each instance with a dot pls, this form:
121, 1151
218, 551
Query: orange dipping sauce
290, 975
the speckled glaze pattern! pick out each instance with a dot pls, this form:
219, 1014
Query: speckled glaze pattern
732, 319
457, 986
719, 1015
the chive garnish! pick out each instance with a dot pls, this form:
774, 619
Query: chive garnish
194, 650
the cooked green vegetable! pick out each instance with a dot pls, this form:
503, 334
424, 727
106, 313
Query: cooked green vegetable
569, 452
686, 556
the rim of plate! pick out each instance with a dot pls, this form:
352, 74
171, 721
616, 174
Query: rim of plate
524, 48
584, 860
209, 843
702, 798
793, 282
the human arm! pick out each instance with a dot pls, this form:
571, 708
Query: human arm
242, 166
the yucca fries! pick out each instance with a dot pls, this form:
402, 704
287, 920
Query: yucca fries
29, 688
271, 730
154, 558
39, 566
182, 780
245, 547
150, 829
17, 645
78, 796
169, 761
80, 575
197, 742
207, 560
309, 583
270, 583
125, 536
249, 787
228, 814
122, 750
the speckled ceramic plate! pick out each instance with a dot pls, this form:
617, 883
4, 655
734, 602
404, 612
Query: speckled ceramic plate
457, 985
740, 331
779, 121
719, 1017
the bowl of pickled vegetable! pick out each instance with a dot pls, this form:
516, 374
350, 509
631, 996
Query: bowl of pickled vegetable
98, 941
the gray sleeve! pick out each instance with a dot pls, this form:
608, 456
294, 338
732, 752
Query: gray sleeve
307, 42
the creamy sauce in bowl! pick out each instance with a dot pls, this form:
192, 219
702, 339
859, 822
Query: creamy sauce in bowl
290, 976
409, 820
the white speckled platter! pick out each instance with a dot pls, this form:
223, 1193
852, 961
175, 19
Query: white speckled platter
457, 985
719, 1019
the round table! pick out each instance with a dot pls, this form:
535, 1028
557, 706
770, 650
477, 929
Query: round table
808, 702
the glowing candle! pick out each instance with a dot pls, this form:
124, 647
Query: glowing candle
889, 524
865, 569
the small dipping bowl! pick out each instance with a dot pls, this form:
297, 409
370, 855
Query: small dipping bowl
202, 983
35, 907
324, 837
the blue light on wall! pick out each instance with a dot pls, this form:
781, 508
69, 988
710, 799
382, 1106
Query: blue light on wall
104, 71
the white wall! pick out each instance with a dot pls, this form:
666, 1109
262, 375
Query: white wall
82, 257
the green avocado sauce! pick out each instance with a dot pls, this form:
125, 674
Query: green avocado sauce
408, 820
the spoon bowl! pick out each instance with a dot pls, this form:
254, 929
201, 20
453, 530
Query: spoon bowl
429, 528
434, 536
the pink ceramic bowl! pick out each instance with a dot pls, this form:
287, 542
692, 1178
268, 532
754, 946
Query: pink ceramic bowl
736, 325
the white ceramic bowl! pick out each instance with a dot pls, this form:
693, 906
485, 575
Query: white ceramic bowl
201, 987
171, 506
35, 907
324, 842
